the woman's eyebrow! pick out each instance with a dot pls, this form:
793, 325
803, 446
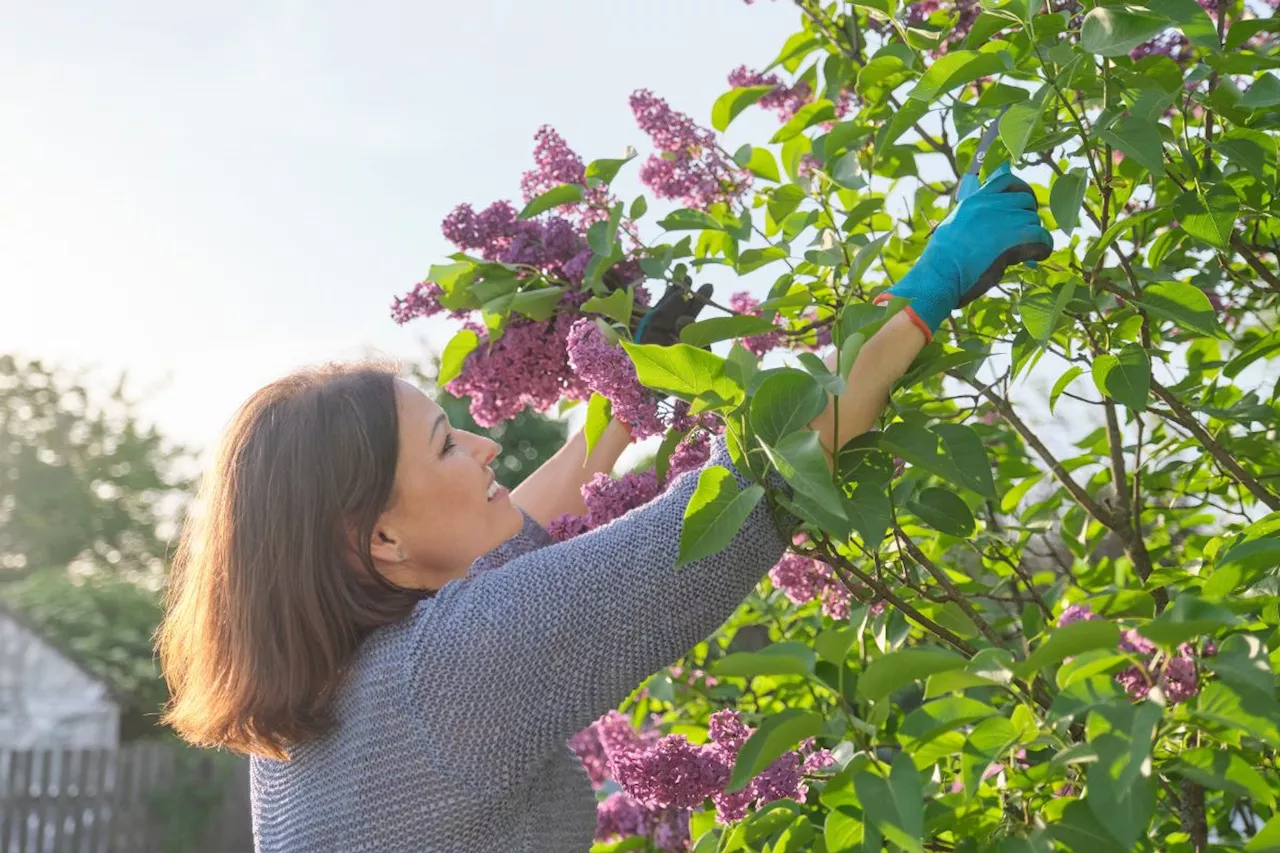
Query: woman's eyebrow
435, 426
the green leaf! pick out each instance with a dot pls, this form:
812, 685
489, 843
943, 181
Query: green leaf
1265, 92
1242, 31
618, 305
1061, 385
870, 513
1115, 32
1243, 662
763, 165
1089, 664
1042, 308
849, 353
1184, 304
1123, 809
985, 744
1138, 138
682, 370
956, 69
1236, 712
753, 259
1078, 830
1019, 124
775, 735
554, 197
599, 409
706, 332
1263, 348
605, 171
944, 511
731, 103
455, 355
1194, 22
777, 659
783, 200
1125, 378
639, 207
785, 402
965, 450
1251, 150
833, 644
953, 452
537, 304
886, 675
1220, 770
810, 114
1072, 639
690, 220
1209, 217
1188, 616
1067, 197
938, 717
895, 805
801, 461
715, 513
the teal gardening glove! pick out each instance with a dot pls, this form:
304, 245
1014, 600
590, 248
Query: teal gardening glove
989, 230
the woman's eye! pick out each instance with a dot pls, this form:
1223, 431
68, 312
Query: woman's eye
448, 445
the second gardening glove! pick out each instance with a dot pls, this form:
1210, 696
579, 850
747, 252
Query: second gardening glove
990, 230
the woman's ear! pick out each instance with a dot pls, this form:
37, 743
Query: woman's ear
385, 547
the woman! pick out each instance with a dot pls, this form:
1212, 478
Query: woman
395, 641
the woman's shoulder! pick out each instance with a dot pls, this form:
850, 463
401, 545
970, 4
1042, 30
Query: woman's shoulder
530, 537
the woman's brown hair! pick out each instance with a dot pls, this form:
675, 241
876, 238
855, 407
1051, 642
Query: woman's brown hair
273, 586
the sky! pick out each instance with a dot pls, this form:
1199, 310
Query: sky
209, 195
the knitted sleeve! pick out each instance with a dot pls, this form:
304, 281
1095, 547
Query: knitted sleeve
504, 666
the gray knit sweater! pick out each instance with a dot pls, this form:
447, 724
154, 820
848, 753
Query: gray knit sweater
451, 728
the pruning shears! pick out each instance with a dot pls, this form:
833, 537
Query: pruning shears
969, 182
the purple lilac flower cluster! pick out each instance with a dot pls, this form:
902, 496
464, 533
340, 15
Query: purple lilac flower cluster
785, 100
608, 497
422, 301
1177, 676
803, 579
526, 368
744, 303
608, 370
675, 772
619, 816
689, 165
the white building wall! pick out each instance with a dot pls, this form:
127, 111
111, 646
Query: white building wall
46, 701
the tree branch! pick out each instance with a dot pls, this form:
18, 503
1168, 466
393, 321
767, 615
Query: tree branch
945, 582
1186, 418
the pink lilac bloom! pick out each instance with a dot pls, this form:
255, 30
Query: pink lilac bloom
803, 579
671, 830
673, 772
1134, 643
555, 163
818, 760
693, 676
422, 301
835, 601
689, 166
618, 816
785, 100
526, 368
564, 527
1134, 681
608, 497
689, 455
682, 421
743, 302
1179, 680
1076, 613
591, 754
608, 370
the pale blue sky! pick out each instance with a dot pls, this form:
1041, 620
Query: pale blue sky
208, 195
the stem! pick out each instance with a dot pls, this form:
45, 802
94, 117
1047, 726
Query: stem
945, 582
839, 562
1186, 418
1192, 817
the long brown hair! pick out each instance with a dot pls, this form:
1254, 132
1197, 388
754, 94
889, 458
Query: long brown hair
273, 586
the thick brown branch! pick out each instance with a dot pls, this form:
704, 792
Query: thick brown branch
1187, 419
1255, 262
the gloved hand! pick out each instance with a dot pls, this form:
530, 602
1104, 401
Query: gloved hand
987, 232
676, 309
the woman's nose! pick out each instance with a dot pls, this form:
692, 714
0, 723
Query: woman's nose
487, 450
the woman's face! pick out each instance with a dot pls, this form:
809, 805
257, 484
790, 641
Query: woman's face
442, 515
